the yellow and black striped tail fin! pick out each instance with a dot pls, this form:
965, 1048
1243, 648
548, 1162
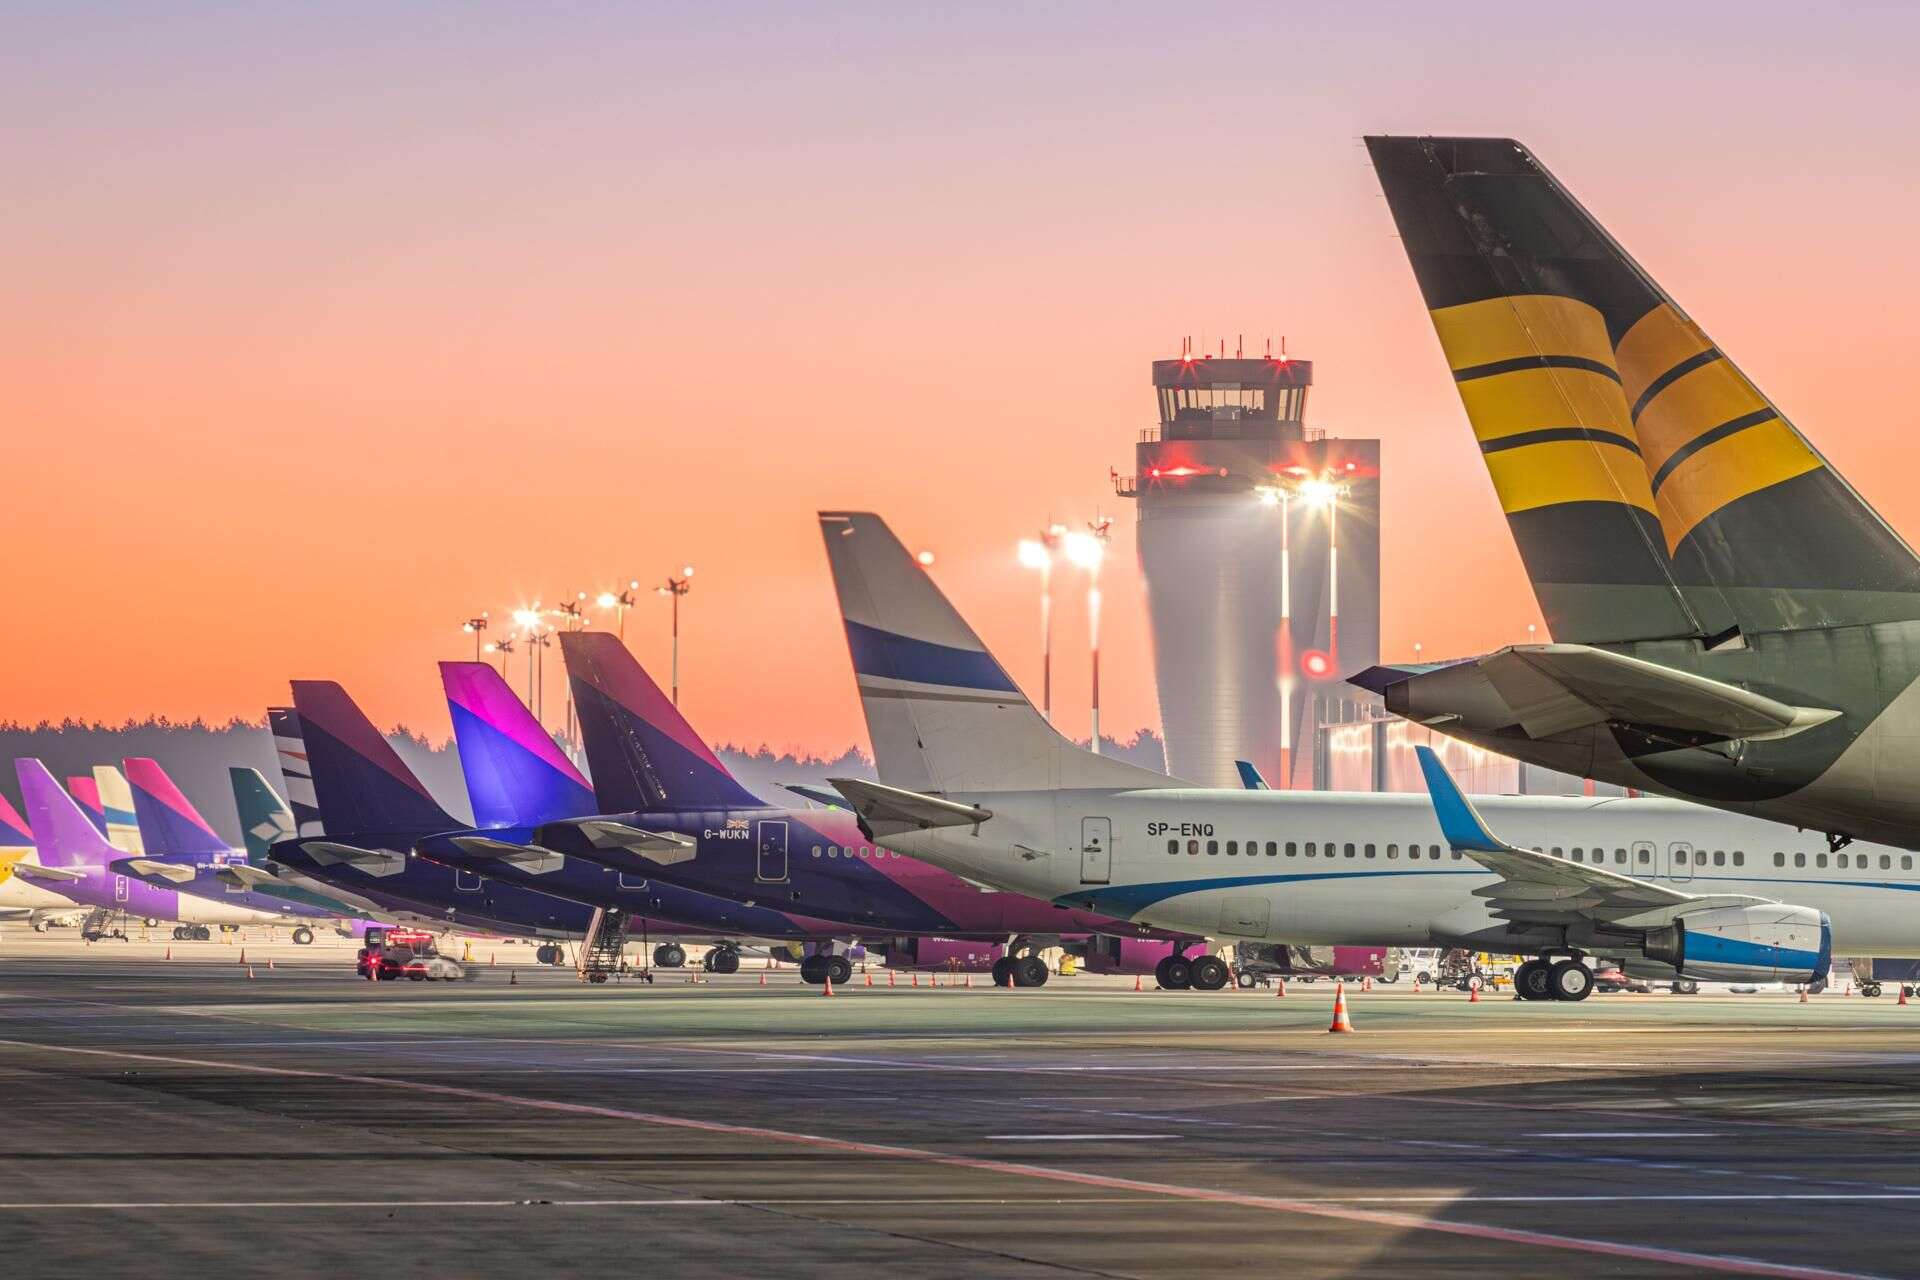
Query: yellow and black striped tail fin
1652, 489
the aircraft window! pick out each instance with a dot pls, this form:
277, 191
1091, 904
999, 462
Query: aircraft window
1779, 859
1646, 856
816, 851
1393, 851
1456, 853
1310, 848
1579, 853
1840, 861
1349, 850
833, 851
1369, 851
1173, 846
1620, 856
1558, 852
1233, 848
1906, 862
1886, 862
1680, 857
1273, 848
1293, 849
1719, 857
1193, 848
1213, 848
1739, 858
1799, 859
1820, 860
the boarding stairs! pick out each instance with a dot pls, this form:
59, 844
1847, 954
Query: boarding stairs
602, 951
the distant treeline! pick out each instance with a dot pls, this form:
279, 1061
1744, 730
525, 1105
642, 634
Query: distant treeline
197, 754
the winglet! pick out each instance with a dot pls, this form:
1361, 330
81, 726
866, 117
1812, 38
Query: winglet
1459, 822
1250, 776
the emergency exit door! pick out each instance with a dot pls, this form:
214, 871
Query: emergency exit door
1096, 850
772, 862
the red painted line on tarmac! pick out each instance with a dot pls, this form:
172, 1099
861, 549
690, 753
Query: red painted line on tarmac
848, 1146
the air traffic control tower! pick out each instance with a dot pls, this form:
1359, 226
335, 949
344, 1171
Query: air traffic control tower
1260, 540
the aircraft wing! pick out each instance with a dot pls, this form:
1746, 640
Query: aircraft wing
527, 857
663, 847
886, 811
1555, 688
46, 875
153, 871
1537, 888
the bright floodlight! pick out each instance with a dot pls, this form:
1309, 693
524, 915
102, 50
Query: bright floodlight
926, 559
1319, 493
607, 600
1033, 555
1269, 497
687, 572
527, 618
1084, 551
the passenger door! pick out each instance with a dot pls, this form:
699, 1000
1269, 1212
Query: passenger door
771, 866
1680, 856
1096, 850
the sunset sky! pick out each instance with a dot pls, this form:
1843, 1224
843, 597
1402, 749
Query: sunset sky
324, 327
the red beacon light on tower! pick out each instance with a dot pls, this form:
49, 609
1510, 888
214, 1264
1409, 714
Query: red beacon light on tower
1316, 664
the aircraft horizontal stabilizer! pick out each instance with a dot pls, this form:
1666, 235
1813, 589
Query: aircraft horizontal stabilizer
816, 795
375, 862
529, 858
886, 811
245, 875
152, 870
49, 875
663, 847
1554, 689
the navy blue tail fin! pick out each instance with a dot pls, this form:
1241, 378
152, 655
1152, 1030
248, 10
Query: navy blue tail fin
359, 781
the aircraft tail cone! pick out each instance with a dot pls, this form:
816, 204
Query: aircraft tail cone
1340, 1020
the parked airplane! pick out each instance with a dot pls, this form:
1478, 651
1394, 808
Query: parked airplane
68, 842
19, 893
186, 854
266, 819
676, 814
1732, 623
974, 779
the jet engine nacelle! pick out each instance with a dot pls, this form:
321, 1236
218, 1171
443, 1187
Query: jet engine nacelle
1777, 942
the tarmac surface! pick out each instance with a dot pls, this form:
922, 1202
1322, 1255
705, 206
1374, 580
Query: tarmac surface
177, 1117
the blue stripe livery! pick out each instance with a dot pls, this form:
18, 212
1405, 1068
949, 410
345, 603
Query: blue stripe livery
896, 657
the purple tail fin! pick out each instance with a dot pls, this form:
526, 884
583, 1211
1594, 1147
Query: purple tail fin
516, 776
14, 831
61, 830
170, 827
359, 780
643, 753
86, 793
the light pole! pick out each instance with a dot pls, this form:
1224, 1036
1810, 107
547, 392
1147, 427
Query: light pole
1035, 553
1086, 550
621, 602
529, 620
1282, 497
503, 648
473, 627
675, 588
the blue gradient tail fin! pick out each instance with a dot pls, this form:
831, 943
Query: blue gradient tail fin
643, 753
359, 780
516, 775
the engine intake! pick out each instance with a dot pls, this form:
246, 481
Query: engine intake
1773, 943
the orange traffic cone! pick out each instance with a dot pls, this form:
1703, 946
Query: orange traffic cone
493, 959
826, 985
1848, 991
1473, 993
1340, 1021
1366, 983
169, 954
1136, 983
249, 973
513, 977
763, 977
890, 977
969, 982
243, 955
269, 962
1279, 988
916, 978
1416, 984
869, 979
1903, 994
1803, 995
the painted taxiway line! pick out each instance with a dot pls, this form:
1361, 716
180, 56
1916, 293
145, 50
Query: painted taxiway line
1354, 1213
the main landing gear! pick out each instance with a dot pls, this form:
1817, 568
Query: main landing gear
817, 968
191, 933
303, 937
1202, 973
721, 960
1547, 979
669, 955
1020, 971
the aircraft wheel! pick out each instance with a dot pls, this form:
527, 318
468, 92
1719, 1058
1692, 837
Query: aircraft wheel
1177, 975
841, 968
179, 934
1030, 971
1003, 971
543, 954
669, 955
1534, 980
1870, 989
813, 969
1245, 980
1571, 980
706, 961
725, 960
1209, 973
303, 937
1424, 978
202, 934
